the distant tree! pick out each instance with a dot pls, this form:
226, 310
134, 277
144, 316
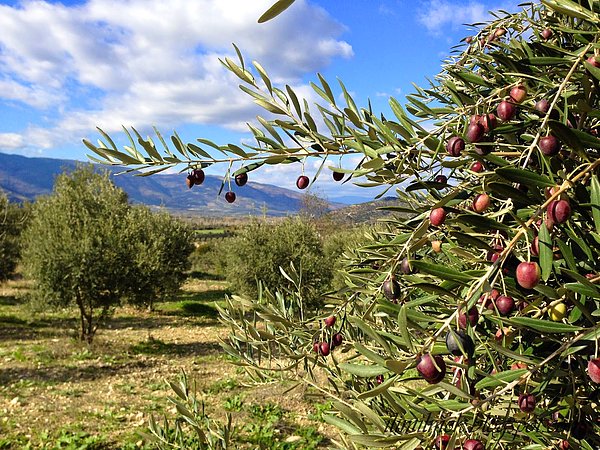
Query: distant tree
260, 249
12, 218
313, 207
161, 249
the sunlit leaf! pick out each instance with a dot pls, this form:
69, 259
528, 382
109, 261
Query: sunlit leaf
277, 8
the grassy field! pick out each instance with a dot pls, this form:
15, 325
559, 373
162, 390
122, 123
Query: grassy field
59, 393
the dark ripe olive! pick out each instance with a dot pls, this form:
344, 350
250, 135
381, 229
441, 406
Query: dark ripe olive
455, 146
230, 197
549, 145
527, 402
198, 175
559, 211
391, 289
241, 179
506, 110
475, 132
455, 340
432, 368
302, 182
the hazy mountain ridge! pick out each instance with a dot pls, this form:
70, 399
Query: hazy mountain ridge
23, 179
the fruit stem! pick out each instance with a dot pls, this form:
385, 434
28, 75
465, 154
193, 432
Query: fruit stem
559, 92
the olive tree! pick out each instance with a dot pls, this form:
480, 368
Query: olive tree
12, 219
160, 246
74, 246
472, 320
263, 253
86, 246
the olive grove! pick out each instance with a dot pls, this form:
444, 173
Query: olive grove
472, 323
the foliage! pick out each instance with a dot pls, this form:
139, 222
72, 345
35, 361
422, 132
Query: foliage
313, 207
208, 258
192, 428
64, 440
160, 248
403, 296
260, 249
86, 246
336, 243
75, 247
12, 219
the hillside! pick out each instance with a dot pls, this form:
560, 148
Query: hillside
23, 179
368, 212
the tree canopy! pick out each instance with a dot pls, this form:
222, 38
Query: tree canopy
86, 246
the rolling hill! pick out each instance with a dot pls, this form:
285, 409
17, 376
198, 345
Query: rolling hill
23, 179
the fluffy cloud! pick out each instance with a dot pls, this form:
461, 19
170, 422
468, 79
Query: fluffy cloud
140, 62
437, 14
11, 141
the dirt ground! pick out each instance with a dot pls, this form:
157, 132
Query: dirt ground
57, 392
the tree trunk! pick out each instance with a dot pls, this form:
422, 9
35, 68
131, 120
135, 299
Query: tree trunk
81, 314
90, 328
87, 328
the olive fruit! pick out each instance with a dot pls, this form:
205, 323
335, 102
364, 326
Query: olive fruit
302, 182
559, 211
506, 110
549, 145
528, 274
437, 217
527, 402
431, 368
230, 197
391, 289
241, 179
455, 146
455, 340
198, 175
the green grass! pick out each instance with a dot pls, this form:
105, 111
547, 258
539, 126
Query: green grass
60, 440
234, 403
150, 347
225, 385
210, 231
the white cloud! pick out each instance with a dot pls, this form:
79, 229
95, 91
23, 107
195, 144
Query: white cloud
142, 62
286, 175
35, 96
436, 15
11, 141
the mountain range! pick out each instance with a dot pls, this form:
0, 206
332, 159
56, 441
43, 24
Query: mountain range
23, 179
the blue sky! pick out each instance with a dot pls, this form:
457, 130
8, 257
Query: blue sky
66, 67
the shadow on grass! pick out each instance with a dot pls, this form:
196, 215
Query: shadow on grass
199, 309
158, 347
95, 370
205, 276
14, 327
10, 300
209, 295
61, 374
194, 305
